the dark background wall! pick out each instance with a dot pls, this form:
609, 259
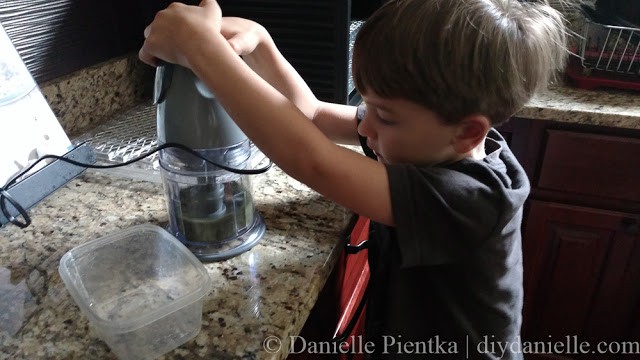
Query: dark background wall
57, 37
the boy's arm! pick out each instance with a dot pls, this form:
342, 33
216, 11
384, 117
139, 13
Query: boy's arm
254, 43
190, 36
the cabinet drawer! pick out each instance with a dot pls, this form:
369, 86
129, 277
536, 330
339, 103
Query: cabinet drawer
598, 165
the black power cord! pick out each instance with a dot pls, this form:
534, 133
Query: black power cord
6, 197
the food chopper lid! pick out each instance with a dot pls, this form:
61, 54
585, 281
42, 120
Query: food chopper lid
188, 113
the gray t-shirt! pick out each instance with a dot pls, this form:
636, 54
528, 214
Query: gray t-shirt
446, 281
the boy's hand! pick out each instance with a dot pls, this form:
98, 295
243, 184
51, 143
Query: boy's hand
178, 30
243, 35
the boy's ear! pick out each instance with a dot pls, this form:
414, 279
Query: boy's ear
470, 132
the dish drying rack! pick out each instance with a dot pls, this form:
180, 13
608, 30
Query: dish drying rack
608, 56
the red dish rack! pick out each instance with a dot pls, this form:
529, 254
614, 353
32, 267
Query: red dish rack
608, 56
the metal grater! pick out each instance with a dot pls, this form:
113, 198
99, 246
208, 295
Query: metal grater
125, 137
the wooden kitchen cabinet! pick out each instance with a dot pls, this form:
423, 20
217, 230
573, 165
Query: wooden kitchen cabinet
581, 238
582, 273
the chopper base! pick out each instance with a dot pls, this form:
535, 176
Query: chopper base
207, 252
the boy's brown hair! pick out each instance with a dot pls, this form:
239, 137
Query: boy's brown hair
460, 57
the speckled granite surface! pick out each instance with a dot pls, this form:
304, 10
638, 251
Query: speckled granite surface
593, 107
267, 291
90, 96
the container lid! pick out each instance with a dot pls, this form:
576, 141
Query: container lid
130, 278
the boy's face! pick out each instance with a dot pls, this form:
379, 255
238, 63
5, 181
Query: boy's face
401, 131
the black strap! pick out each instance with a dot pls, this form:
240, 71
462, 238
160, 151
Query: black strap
354, 249
354, 319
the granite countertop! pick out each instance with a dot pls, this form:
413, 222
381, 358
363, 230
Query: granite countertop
612, 108
268, 291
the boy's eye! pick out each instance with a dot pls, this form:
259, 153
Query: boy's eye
380, 115
386, 122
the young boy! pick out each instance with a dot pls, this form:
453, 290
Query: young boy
445, 195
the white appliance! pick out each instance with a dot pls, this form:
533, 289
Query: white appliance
28, 127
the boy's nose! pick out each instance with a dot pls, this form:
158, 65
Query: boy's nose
364, 129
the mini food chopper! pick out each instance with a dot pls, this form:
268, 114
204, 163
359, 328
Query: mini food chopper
210, 209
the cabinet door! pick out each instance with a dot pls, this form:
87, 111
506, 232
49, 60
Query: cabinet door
582, 275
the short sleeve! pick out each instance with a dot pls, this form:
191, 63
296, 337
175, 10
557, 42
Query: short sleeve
441, 215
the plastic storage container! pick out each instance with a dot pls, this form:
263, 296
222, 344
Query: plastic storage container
141, 289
